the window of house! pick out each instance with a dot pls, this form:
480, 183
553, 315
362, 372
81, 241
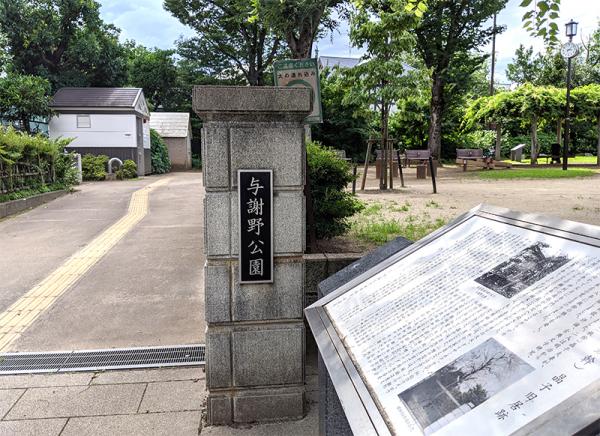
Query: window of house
83, 121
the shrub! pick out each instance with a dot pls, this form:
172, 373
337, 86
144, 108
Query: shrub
160, 155
196, 161
332, 203
127, 171
94, 167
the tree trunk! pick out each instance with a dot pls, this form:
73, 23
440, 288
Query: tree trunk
498, 142
598, 134
559, 132
534, 141
383, 164
25, 124
435, 121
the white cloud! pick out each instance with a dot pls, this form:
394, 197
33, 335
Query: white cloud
144, 21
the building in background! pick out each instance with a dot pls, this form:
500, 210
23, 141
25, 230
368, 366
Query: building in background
176, 131
110, 121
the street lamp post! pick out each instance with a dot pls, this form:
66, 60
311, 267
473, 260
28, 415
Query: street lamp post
569, 51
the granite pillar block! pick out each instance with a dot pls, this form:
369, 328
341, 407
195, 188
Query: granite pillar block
279, 148
217, 224
215, 157
269, 356
288, 231
270, 301
218, 358
219, 410
217, 290
268, 405
255, 338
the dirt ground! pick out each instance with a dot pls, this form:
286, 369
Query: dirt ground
576, 199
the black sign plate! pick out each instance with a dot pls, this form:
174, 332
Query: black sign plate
255, 193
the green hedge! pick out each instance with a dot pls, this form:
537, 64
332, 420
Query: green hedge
127, 171
31, 162
160, 155
332, 203
94, 167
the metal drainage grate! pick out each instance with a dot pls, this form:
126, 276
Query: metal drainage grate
97, 360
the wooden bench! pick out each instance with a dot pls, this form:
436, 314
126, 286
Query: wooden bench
418, 156
468, 157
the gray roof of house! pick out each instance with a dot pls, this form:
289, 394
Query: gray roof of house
170, 124
96, 97
337, 61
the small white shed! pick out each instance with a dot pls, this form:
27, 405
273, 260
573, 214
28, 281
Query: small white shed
110, 121
176, 130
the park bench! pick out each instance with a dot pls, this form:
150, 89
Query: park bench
341, 154
473, 158
416, 156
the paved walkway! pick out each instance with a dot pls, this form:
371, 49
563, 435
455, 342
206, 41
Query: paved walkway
88, 272
157, 402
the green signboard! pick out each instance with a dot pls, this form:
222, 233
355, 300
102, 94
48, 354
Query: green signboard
301, 73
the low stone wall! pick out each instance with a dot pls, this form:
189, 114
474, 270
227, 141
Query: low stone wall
318, 267
22, 204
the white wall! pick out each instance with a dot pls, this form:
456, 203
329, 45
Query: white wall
147, 134
107, 130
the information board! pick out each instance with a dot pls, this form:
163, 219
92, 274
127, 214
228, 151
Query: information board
301, 73
255, 194
480, 328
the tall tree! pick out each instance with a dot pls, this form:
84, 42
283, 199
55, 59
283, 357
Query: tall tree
447, 30
298, 22
154, 71
23, 98
64, 41
380, 28
525, 66
225, 29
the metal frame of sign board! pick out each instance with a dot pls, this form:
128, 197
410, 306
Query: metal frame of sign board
239, 217
361, 410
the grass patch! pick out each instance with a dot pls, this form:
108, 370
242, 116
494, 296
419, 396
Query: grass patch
535, 173
25, 193
404, 208
382, 231
572, 160
372, 209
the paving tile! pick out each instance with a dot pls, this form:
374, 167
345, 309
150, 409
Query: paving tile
45, 380
77, 401
8, 398
173, 396
148, 375
32, 427
151, 424
307, 426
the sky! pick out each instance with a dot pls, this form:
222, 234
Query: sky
149, 24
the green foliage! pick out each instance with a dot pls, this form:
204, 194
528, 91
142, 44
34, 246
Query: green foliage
482, 139
332, 203
127, 171
156, 73
94, 167
345, 123
30, 192
159, 153
196, 161
22, 98
540, 19
297, 22
65, 42
382, 230
225, 32
450, 37
42, 158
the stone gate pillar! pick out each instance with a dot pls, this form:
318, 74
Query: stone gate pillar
255, 334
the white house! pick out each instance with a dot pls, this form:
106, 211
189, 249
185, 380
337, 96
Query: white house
110, 121
176, 130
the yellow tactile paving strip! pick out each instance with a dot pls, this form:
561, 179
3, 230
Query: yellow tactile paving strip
23, 312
